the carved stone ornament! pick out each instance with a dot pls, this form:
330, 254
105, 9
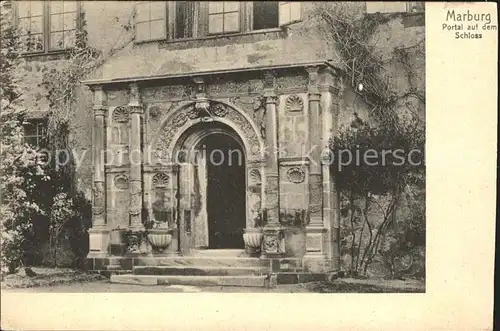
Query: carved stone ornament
134, 92
295, 175
98, 195
120, 114
294, 103
219, 110
165, 142
154, 111
160, 180
121, 182
179, 120
133, 241
255, 176
271, 242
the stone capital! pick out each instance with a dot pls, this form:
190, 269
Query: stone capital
100, 110
314, 95
271, 98
269, 79
313, 75
135, 109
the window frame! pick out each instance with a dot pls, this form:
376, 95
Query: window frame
166, 27
46, 27
241, 18
202, 29
407, 4
40, 134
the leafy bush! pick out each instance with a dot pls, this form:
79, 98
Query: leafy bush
374, 226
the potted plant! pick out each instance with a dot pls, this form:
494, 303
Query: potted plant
253, 236
159, 236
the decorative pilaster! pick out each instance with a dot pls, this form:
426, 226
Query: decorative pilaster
172, 170
98, 234
315, 230
135, 153
273, 243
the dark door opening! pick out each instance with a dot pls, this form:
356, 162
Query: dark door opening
226, 205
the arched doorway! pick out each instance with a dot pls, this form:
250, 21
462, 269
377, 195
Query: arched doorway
214, 177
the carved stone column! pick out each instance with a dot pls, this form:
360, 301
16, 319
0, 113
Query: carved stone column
272, 172
331, 92
135, 153
315, 230
173, 171
273, 240
98, 234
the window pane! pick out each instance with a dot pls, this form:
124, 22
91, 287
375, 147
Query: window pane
157, 29
231, 6
215, 23
36, 25
29, 129
24, 8
142, 31
295, 11
142, 12
56, 7
38, 42
215, 7
69, 21
158, 10
56, 40
56, 23
24, 25
69, 6
184, 19
265, 15
69, 38
231, 22
36, 8
284, 13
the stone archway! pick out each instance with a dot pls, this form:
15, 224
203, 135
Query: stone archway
181, 119
182, 131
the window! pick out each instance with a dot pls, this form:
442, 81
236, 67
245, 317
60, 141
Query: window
394, 7
289, 12
186, 19
265, 15
30, 24
63, 17
47, 25
177, 20
34, 133
223, 17
150, 20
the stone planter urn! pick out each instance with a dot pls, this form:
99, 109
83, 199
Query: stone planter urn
253, 240
160, 239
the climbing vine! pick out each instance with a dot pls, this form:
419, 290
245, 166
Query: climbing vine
38, 196
380, 220
62, 83
353, 33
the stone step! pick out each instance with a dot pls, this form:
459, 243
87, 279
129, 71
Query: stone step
219, 253
199, 271
203, 261
246, 281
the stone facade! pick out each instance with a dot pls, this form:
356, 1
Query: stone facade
278, 93
271, 113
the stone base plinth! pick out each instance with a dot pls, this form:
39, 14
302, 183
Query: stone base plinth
319, 264
98, 242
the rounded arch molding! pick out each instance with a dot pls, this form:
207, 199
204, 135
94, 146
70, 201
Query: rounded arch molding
185, 116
